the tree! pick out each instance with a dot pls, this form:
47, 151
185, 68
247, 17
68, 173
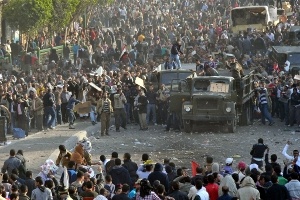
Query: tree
28, 15
62, 13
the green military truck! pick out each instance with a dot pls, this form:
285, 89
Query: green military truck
281, 54
213, 99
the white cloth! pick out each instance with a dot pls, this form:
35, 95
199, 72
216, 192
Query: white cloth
203, 194
287, 66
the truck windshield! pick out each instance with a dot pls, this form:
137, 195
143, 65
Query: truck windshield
167, 78
218, 86
294, 58
248, 15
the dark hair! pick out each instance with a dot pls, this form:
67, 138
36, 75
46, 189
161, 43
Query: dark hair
149, 167
199, 170
145, 157
210, 178
118, 161
260, 140
125, 188
198, 184
274, 179
79, 174
294, 175
145, 188
49, 184
225, 189
28, 174
108, 178
84, 170
71, 164
127, 156
5, 177
62, 147
209, 159
235, 177
179, 172
160, 189
172, 165
20, 152
277, 170
102, 158
175, 185
89, 184
15, 171
273, 157
114, 154
14, 196
268, 168
12, 152
13, 177
72, 189
23, 188
39, 180
102, 191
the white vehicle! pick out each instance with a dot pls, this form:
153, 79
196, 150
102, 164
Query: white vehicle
253, 17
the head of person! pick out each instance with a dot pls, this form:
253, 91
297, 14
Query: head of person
260, 141
145, 157
102, 158
295, 153
127, 156
71, 165
125, 188
38, 181
12, 152
118, 189
114, 154
145, 188
118, 162
62, 148
198, 184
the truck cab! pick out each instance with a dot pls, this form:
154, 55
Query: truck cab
212, 100
281, 54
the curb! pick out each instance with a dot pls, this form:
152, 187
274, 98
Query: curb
69, 143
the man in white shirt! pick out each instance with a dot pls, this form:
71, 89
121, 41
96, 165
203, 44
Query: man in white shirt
294, 186
295, 158
287, 66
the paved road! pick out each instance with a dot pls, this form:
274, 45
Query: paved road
40, 146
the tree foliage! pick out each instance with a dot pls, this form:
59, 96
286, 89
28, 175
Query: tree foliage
28, 15
63, 13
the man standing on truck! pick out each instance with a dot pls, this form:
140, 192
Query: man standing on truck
174, 57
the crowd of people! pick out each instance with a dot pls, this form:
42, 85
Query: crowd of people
118, 179
129, 40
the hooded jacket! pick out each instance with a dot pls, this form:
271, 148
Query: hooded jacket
41, 192
157, 174
229, 182
248, 190
120, 175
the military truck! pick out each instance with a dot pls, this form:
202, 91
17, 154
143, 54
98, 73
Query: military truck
280, 54
213, 99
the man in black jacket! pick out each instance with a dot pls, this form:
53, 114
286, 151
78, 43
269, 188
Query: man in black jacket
276, 191
257, 152
158, 174
176, 193
119, 174
175, 50
131, 167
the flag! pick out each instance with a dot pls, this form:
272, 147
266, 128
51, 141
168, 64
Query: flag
124, 52
66, 178
194, 166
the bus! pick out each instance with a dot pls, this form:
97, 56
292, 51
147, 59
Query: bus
253, 17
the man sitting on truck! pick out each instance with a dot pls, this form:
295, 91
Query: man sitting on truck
235, 68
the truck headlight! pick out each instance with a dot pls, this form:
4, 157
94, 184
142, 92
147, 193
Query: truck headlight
187, 109
228, 109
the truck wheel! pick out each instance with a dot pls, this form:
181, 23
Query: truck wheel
187, 125
246, 115
232, 126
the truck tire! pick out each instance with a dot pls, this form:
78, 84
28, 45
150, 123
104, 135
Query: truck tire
232, 126
246, 114
187, 126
